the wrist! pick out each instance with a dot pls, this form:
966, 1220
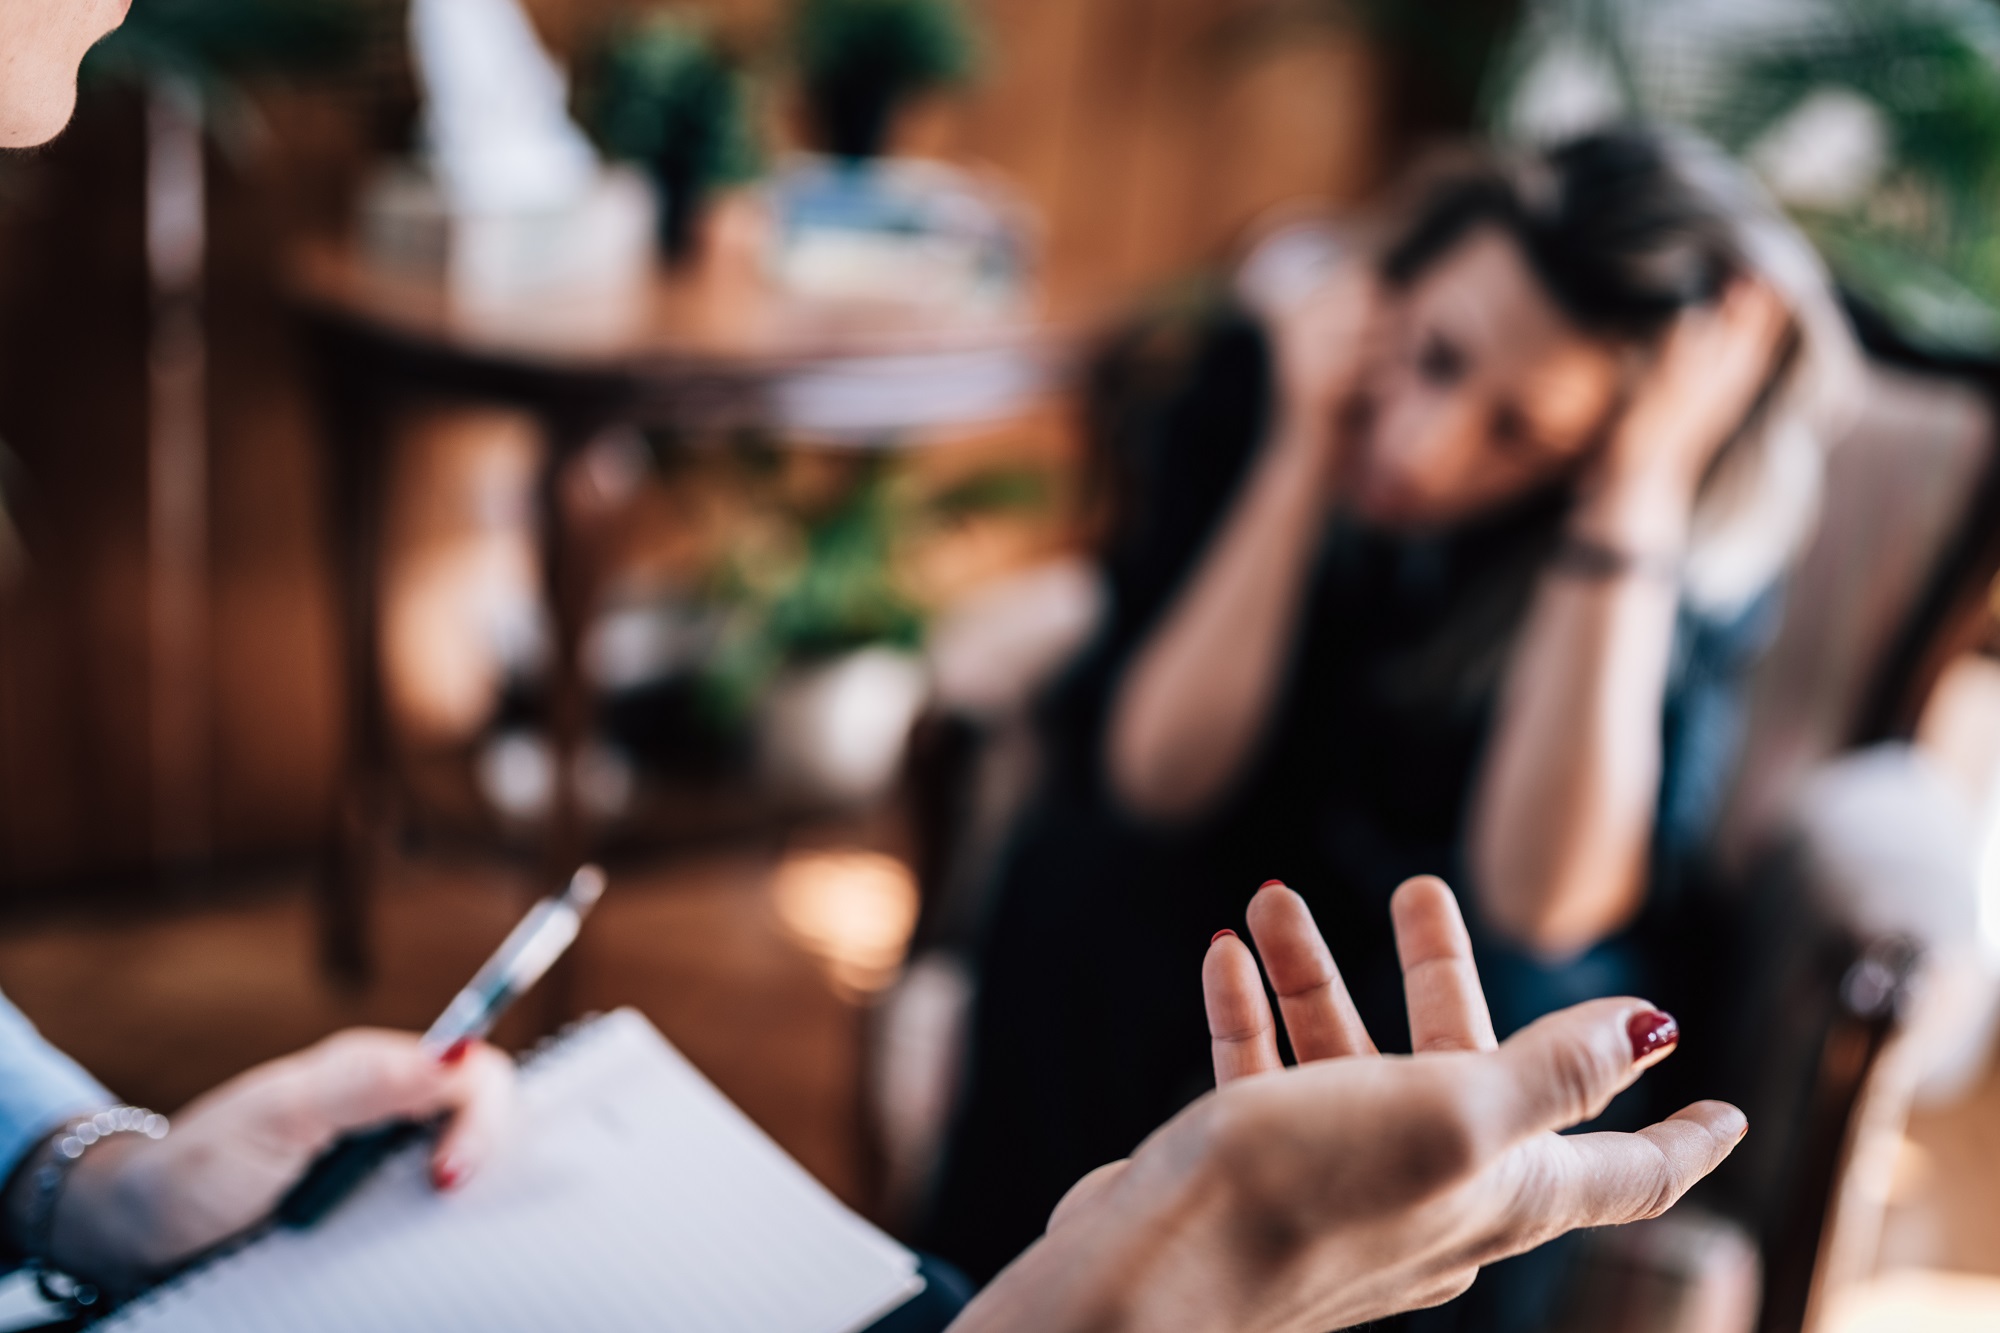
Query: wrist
1582, 557
1081, 1276
1192, 1200
1644, 513
1305, 431
101, 1220
1304, 447
1141, 1255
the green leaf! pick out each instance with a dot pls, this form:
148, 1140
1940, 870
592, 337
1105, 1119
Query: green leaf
1001, 490
859, 60
662, 85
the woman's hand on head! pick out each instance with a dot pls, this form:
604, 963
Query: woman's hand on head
1320, 344
1356, 1185
1710, 370
132, 1208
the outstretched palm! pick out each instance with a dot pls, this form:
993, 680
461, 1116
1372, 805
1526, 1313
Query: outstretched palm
1357, 1185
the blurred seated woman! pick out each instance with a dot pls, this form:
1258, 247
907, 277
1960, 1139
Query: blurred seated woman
1454, 564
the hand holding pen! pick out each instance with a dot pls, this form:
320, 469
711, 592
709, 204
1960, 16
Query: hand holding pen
291, 1137
135, 1208
528, 952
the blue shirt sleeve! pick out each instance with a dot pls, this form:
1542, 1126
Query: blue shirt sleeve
39, 1087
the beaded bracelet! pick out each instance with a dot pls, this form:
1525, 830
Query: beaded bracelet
59, 1154
1586, 558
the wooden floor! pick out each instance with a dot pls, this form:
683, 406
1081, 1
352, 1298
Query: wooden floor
1944, 1209
161, 1004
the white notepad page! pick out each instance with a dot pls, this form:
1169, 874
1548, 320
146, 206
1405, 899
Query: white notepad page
631, 1195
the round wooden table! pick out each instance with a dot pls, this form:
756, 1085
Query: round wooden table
717, 349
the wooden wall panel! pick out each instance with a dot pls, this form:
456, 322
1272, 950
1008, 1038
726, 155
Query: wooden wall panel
72, 633
1149, 139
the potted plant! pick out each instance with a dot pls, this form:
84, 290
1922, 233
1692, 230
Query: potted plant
799, 649
861, 61
666, 96
855, 221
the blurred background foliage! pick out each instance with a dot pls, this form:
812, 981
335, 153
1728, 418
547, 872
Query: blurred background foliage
1920, 242
214, 47
1876, 122
666, 94
859, 61
820, 571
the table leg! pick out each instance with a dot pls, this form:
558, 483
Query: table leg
570, 577
355, 425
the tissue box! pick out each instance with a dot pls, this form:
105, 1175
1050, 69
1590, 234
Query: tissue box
602, 242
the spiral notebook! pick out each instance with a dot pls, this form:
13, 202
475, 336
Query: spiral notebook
631, 1195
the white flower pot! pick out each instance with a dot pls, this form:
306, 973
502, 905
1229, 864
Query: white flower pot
834, 732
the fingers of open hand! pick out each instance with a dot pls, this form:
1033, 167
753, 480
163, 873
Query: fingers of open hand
1440, 983
1611, 1179
1242, 1038
1563, 1069
1319, 1015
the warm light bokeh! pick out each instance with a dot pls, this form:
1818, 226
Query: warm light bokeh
853, 909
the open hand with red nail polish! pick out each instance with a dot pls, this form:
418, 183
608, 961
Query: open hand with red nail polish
133, 1207
1357, 1185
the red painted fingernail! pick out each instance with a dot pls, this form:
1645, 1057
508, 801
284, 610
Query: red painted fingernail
445, 1175
1220, 933
1652, 1032
456, 1051
1268, 883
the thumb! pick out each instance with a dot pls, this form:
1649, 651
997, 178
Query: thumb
1619, 1178
1565, 1068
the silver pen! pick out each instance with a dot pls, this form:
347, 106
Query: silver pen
529, 950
